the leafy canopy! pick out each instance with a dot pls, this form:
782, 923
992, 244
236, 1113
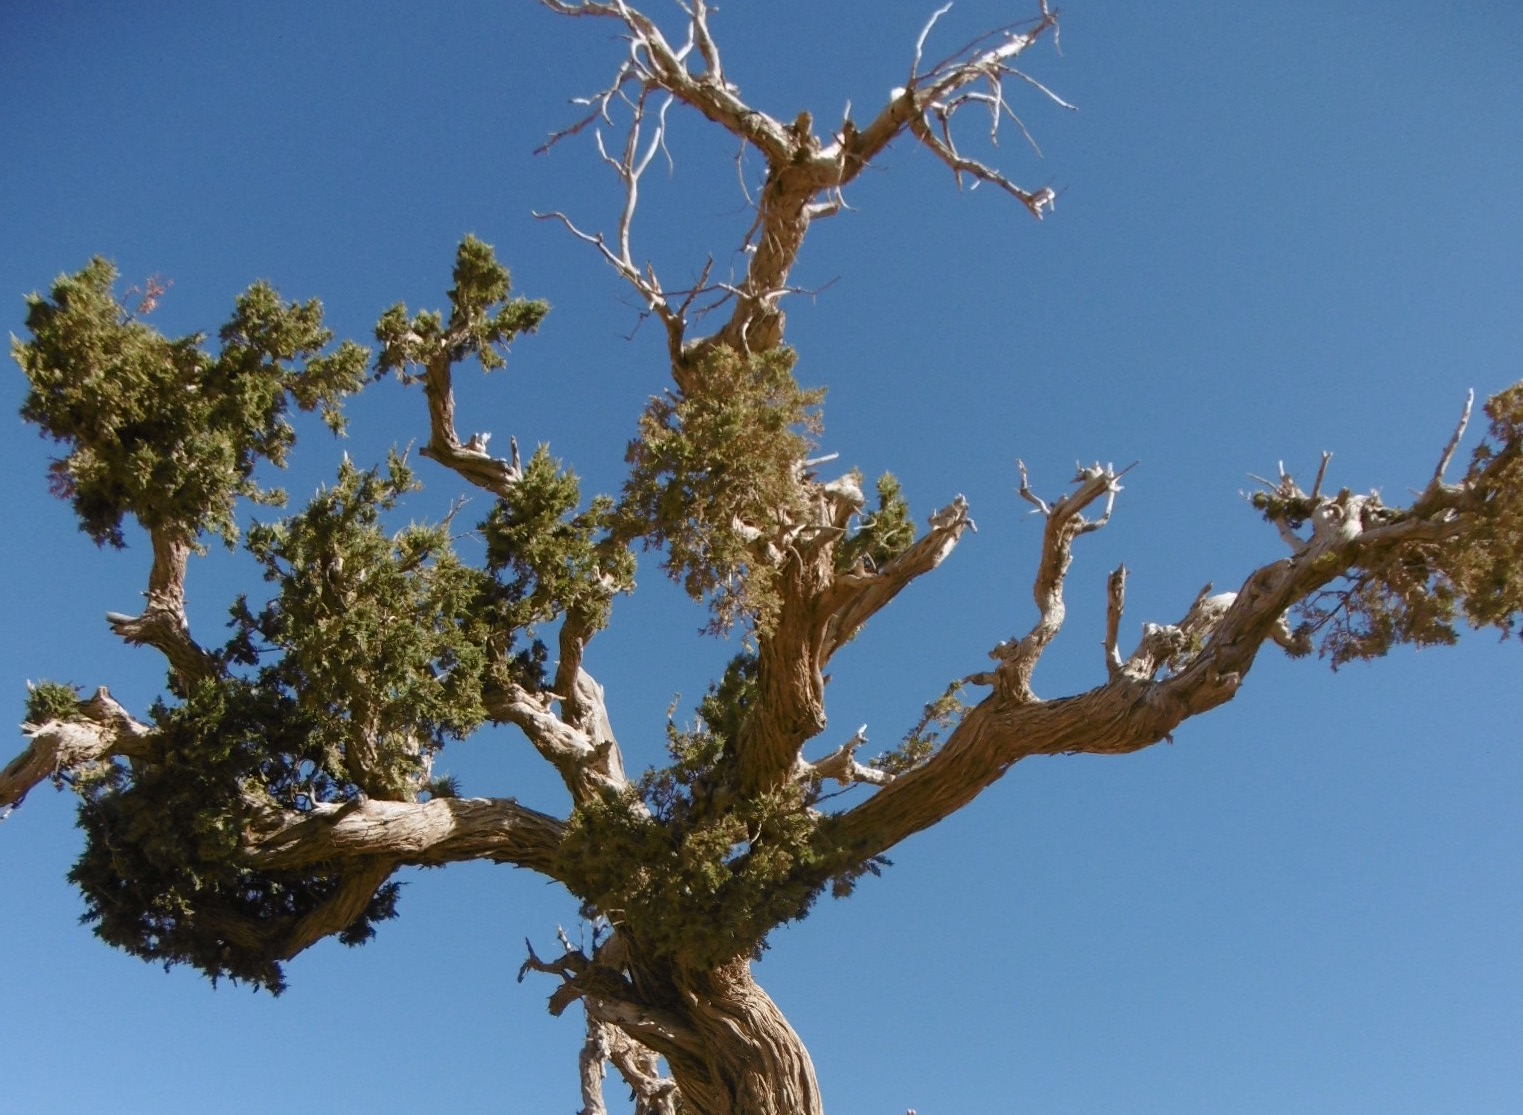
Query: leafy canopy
159, 428
715, 472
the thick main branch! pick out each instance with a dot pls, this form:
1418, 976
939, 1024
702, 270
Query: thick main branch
1177, 672
425, 834
101, 730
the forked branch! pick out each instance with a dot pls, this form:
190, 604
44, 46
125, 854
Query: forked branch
859, 594
588, 761
805, 173
1179, 670
1065, 522
162, 623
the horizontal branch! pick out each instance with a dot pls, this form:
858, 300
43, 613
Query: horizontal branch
841, 765
1178, 671
59, 748
425, 834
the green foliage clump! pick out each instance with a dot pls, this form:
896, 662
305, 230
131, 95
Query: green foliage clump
158, 428
161, 873
384, 641
551, 559
374, 650
702, 890
715, 470
1486, 567
482, 318
51, 700
688, 871
884, 534
1418, 594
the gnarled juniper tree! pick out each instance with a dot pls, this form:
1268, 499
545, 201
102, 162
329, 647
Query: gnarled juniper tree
269, 799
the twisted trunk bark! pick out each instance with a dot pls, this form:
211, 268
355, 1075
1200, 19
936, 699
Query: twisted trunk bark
742, 1057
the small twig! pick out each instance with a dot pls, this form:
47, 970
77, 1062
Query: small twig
1025, 492
1316, 488
1037, 85
1115, 604
1454, 441
920, 43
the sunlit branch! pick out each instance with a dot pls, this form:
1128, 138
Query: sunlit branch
427, 834
101, 730
162, 623
804, 175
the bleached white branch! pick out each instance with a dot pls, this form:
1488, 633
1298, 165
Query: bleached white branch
1115, 605
805, 177
101, 730
427, 834
1065, 522
1454, 441
841, 764
588, 760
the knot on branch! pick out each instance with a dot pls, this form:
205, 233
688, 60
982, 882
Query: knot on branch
164, 628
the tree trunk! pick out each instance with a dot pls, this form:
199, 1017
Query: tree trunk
744, 1058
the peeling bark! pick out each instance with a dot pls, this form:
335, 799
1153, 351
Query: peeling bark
730, 1050
425, 834
746, 1059
103, 730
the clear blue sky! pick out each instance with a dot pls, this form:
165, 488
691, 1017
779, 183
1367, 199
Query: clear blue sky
1281, 228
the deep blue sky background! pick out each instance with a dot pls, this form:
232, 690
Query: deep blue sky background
1281, 228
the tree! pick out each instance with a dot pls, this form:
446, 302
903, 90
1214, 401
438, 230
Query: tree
269, 801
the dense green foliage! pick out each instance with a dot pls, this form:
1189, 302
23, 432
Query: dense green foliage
715, 472
552, 559
688, 872
883, 534
51, 700
1420, 592
373, 648
381, 642
158, 428
161, 872
372, 651
483, 320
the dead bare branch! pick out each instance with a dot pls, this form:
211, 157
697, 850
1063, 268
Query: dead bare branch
1065, 522
804, 177
1454, 441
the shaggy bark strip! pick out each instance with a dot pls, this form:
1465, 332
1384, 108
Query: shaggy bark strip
102, 730
424, 834
744, 1058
